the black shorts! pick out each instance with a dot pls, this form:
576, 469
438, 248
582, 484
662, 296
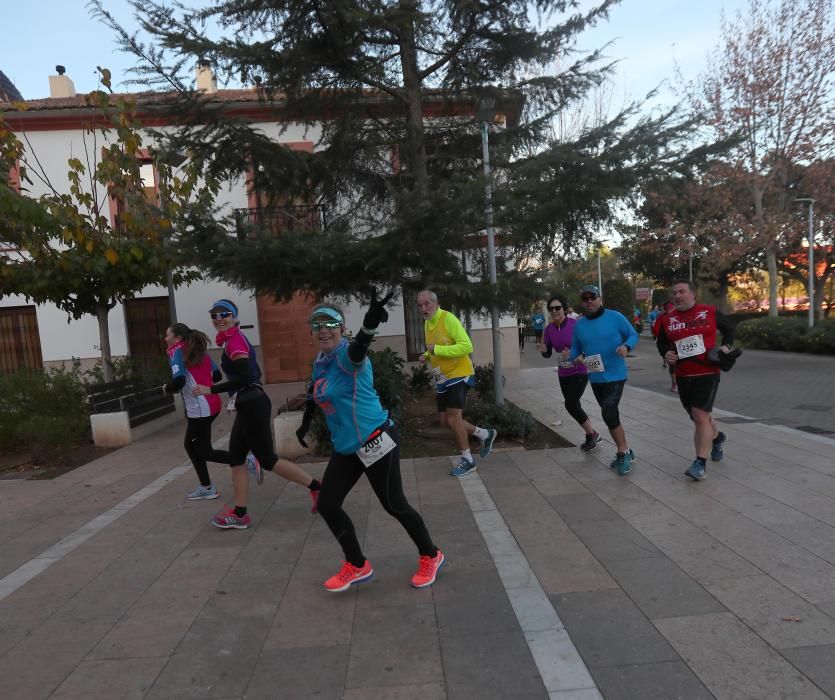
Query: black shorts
698, 392
454, 396
251, 431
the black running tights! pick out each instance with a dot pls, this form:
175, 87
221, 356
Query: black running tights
573, 387
342, 473
198, 444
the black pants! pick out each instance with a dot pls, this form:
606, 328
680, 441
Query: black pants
572, 391
198, 444
251, 430
342, 473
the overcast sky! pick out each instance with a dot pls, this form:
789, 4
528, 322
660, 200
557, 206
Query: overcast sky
648, 36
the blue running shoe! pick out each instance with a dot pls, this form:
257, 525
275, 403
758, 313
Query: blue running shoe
696, 471
253, 466
203, 493
717, 450
487, 443
463, 468
623, 462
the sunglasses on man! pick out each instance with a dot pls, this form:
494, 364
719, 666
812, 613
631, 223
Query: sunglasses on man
319, 325
220, 314
588, 297
552, 309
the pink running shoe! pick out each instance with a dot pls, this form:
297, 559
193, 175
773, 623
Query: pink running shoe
227, 520
314, 496
428, 568
254, 468
349, 575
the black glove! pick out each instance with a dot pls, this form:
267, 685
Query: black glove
376, 313
307, 419
725, 360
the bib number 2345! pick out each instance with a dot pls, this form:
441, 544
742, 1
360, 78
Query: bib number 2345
377, 446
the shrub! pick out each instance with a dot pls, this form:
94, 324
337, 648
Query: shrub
773, 333
152, 371
619, 296
420, 382
821, 338
45, 411
511, 421
485, 383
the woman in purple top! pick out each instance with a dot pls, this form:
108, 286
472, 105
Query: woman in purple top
573, 377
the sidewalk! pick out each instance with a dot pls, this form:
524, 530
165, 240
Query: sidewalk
562, 580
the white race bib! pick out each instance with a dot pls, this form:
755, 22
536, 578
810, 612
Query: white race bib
690, 346
378, 446
594, 363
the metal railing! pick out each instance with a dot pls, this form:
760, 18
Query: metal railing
273, 221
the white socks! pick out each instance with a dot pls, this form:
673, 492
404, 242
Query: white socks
466, 454
481, 433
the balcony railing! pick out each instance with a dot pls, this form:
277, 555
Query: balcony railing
273, 221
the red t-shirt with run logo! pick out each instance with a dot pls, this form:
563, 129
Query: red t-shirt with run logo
691, 334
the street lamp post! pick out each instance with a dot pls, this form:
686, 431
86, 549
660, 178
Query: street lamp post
485, 114
811, 203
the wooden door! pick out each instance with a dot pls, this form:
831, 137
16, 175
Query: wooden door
20, 342
147, 320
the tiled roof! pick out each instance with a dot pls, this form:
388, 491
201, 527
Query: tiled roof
141, 98
8, 91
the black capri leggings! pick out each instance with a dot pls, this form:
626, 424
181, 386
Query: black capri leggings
251, 430
342, 473
198, 444
572, 390
608, 396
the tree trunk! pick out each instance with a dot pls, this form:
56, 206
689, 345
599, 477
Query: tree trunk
771, 260
722, 293
414, 101
104, 341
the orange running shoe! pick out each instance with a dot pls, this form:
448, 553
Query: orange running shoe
348, 576
428, 568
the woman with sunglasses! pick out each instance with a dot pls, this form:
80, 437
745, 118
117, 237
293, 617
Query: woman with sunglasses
190, 366
365, 441
573, 378
251, 428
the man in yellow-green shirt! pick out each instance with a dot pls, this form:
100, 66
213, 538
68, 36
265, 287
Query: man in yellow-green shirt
448, 349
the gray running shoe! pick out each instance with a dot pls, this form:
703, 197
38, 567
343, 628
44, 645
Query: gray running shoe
203, 493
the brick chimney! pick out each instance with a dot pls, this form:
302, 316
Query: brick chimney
206, 81
60, 85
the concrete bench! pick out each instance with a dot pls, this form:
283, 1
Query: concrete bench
127, 410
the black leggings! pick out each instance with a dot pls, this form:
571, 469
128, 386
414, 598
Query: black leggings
198, 444
251, 430
572, 390
342, 473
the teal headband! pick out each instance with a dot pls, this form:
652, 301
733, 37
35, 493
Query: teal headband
326, 311
227, 305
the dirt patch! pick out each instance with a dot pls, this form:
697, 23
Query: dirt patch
22, 465
424, 437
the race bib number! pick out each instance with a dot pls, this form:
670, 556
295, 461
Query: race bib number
594, 363
378, 446
690, 346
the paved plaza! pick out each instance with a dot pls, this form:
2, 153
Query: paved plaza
562, 580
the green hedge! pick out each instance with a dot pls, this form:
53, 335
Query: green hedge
788, 334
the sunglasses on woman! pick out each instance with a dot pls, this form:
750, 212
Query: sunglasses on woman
319, 325
554, 308
220, 314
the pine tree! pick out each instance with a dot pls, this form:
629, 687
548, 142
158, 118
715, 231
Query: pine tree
398, 159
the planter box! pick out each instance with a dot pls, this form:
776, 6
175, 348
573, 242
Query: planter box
120, 428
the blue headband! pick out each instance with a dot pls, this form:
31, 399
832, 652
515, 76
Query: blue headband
326, 311
226, 304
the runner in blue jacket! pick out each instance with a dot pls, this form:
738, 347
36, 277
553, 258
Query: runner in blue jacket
602, 339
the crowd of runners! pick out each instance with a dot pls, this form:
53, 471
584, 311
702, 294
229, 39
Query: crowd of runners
590, 349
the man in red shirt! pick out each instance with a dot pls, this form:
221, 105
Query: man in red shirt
666, 308
685, 336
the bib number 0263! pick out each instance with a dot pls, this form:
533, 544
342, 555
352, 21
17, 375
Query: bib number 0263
376, 447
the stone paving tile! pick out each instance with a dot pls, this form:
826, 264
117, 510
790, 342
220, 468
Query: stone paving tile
732, 661
661, 589
582, 508
473, 604
614, 540
394, 644
762, 604
129, 679
558, 660
490, 666
584, 694
304, 672
423, 691
391, 585
609, 630
203, 674
816, 663
653, 681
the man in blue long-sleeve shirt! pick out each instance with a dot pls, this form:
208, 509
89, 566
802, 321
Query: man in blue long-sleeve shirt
602, 339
